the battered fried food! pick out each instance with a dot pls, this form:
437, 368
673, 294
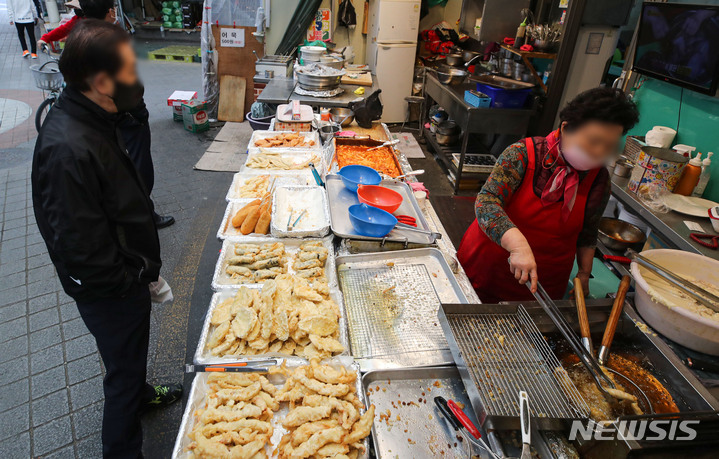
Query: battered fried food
271, 160
252, 263
277, 319
253, 187
285, 140
229, 426
321, 425
310, 261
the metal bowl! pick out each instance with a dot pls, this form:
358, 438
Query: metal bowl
449, 75
468, 55
311, 82
454, 59
338, 114
334, 61
619, 235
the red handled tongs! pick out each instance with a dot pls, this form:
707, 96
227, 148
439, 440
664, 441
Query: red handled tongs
461, 422
257, 366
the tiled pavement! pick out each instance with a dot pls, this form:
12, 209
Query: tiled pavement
50, 371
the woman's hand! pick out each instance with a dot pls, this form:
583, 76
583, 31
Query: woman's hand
521, 259
584, 281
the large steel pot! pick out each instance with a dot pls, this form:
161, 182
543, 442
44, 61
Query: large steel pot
313, 82
619, 235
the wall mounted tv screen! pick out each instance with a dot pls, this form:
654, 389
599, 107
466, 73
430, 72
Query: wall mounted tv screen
679, 44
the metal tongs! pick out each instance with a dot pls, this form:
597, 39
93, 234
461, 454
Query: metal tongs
705, 298
461, 422
257, 366
586, 357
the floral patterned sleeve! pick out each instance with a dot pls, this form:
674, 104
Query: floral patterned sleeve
505, 179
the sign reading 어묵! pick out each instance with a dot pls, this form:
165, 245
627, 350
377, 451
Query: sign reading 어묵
232, 38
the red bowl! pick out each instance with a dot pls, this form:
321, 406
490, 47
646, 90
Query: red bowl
380, 197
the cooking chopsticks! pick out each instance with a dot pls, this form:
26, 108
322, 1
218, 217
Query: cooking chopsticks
705, 298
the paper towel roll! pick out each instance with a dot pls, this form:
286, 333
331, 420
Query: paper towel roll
660, 136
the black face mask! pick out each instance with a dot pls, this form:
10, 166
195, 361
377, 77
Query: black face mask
127, 96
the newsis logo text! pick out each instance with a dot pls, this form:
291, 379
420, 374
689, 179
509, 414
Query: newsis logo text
634, 429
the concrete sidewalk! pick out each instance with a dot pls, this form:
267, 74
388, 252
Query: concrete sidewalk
50, 371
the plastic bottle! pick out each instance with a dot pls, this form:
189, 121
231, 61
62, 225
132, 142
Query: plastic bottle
519, 38
547, 74
690, 176
705, 176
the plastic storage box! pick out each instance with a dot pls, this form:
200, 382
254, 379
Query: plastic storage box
477, 99
505, 98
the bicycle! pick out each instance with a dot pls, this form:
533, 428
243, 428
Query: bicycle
49, 79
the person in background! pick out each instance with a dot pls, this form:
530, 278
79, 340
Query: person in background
61, 31
134, 125
94, 213
22, 13
541, 205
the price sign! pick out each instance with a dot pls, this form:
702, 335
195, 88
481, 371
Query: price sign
232, 38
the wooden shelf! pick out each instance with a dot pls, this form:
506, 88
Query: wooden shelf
526, 55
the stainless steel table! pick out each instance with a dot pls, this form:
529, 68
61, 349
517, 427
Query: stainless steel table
282, 90
669, 226
472, 120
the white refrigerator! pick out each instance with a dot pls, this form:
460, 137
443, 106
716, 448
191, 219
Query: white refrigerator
393, 28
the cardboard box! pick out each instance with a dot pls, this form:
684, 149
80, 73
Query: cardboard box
177, 99
194, 116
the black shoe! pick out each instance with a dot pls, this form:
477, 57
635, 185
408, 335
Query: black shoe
163, 221
165, 394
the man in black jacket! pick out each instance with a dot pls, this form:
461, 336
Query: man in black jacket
96, 218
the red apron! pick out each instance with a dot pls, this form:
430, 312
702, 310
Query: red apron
553, 242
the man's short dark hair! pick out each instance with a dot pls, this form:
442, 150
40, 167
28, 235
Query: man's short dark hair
96, 9
606, 105
91, 48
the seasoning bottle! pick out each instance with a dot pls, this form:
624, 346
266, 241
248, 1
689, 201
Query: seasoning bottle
690, 176
706, 175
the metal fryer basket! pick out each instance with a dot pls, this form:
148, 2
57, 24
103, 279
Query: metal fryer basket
500, 351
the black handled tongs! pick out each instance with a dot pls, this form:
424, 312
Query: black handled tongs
586, 357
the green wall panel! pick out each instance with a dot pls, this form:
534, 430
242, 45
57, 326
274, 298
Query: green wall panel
699, 127
658, 104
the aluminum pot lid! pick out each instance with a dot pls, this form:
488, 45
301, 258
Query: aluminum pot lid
666, 154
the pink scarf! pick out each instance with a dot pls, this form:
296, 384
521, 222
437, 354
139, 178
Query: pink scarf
564, 180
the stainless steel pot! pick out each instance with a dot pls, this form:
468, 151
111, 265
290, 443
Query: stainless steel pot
312, 82
447, 133
619, 235
623, 167
343, 115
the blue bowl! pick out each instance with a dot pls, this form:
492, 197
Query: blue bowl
371, 221
359, 175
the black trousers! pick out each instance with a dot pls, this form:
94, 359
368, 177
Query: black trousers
121, 327
28, 27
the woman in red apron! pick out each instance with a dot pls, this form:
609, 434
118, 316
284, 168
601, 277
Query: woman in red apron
540, 207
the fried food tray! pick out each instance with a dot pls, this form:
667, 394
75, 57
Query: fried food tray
415, 429
300, 178
204, 357
340, 200
499, 352
279, 229
392, 300
312, 136
221, 281
197, 399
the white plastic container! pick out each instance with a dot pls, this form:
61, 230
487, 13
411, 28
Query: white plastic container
687, 328
705, 176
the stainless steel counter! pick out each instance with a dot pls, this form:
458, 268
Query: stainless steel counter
670, 226
282, 90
